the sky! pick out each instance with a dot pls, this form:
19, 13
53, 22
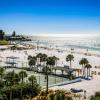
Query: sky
50, 17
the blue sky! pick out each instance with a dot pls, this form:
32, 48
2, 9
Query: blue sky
50, 16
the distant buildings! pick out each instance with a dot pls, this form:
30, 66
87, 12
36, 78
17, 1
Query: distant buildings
13, 37
2, 34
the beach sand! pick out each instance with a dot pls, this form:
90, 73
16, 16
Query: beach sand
90, 86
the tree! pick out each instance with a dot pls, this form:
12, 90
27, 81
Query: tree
32, 61
96, 96
1, 72
12, 78
44, 58
56, 59
50, 62
83, 62
70, 58
32, 79
29, 57
22, 75
88, 66
39, 55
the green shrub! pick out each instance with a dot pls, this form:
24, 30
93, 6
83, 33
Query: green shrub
97, 94
57, 97
51, 96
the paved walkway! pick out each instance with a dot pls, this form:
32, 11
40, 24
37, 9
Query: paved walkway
91, 86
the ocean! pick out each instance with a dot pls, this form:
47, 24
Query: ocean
88, 43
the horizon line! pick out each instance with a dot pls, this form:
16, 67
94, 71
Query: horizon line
64, 35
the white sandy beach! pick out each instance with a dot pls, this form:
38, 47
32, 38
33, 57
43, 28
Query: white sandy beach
90, 86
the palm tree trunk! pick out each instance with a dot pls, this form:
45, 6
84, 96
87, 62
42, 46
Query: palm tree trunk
44, 63
87, 72
11, 95
47, 80
21, 93
32, 83
56, 63
22, 80
70, 65
83, 72
78, 73
21, 89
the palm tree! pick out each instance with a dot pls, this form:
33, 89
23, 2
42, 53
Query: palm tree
44, 58
1, 72
88, 66
70, 58
56, 59
29, 57
39, 55
32, 61
22, 75
50, 62
83, 62
12, 78
32, 79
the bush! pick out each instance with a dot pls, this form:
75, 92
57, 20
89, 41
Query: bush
26, 90
96, 96
42, 93
51, 96
3, 97
57, 97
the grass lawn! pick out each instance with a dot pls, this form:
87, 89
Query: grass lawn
3, 42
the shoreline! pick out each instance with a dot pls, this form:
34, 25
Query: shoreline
75, 51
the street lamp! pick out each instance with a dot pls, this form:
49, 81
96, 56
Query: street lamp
47, 80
